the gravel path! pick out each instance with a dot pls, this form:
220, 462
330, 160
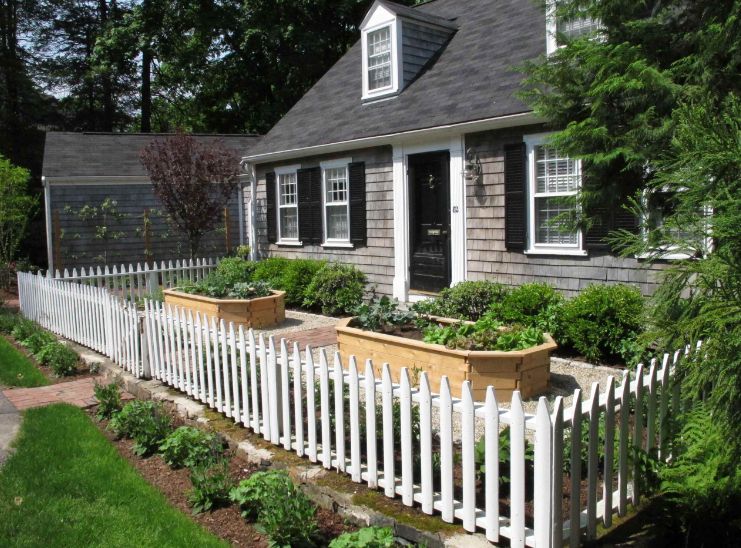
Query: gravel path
296, 321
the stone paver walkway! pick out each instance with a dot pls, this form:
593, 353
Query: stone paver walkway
79, 393
316, 338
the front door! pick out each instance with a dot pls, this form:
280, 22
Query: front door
429, 191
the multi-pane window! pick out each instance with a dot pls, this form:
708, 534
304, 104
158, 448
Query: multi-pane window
557, 179
288, 206
379, 59
336, 204
578, 26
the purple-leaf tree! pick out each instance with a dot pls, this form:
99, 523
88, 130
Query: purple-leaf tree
193, 180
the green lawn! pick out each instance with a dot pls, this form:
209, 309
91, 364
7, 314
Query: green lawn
16, 369
66, 485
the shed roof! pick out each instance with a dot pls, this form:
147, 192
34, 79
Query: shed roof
473, 78
69, 154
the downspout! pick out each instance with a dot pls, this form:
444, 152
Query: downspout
47, 215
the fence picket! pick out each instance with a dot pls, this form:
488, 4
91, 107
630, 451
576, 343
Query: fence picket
370, 425
354, 386
285, 395
517, 471
491, 462
387, 394
624, 401
592, 462
425, 441
339, 411
609, 451
575, 468
542, 481
298, 401
311, 404
324, 408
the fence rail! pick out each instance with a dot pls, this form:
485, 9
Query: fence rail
136, 281
407, 441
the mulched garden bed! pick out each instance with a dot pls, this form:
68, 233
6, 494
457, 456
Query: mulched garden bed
226, 523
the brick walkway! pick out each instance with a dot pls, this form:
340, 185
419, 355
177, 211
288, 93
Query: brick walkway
79, 393
316, 338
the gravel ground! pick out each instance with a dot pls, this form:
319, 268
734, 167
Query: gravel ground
297, 321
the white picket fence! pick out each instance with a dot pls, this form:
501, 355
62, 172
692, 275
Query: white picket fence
88, 315
343, 415
136, 281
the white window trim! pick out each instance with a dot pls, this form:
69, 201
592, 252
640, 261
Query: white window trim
531, 141
551, 28
668, 253
334, 164
286, 170
394, 26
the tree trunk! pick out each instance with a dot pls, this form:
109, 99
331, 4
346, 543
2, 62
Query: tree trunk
146, 91
108, 107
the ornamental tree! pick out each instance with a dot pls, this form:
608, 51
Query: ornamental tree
193, 180
16, 208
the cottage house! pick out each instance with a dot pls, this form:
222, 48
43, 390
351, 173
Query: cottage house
413, 159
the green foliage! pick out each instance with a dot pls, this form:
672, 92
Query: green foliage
283, 512
251, 290
23, 329
37, 340
336, 289
143, 421
242, 252
532, 305
486, 333
381, 314
17, 207
271, 271
109, 400
211, 486
59, 357
702, 484
234, 270
601, 320
216, 287
367, 537
465, 300
297, 277
8, 320
504, 455
190, 447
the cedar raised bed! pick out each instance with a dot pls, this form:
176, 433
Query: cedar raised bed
525, 370
258, 312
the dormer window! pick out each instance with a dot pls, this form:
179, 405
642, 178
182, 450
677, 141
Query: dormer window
397, 43
379, 59
569, 28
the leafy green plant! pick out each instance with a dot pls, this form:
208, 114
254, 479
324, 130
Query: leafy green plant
190, 447
249, 290
211, 486
109, 400
283, 512
532, 305
23, 329
504, 455
367, 537
485, 334
143, 421
37, 340
598, 322
381, 314
336, 289
271, 271
234, 270
465, 301
59, 357
297, 277
8, 320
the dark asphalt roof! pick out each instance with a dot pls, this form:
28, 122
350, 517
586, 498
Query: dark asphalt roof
474, 78
68, 154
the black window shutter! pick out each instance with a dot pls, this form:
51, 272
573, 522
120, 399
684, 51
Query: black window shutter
310, 205
607, 218
358, 217
515, 196
270, 208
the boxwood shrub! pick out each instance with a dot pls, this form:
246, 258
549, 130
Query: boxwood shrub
532, 304
336, 289
465, 301
271, 271
602, 322
234, 270
297, 277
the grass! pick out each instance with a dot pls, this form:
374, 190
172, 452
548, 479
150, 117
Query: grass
16, 369
66, 485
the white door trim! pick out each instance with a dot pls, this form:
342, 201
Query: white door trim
401, 153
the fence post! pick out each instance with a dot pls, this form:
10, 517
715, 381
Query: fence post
144, 347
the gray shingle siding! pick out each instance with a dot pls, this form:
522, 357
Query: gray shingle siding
487, 256
81, 248
376, 259
419, 44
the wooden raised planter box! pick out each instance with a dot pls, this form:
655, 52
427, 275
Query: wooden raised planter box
525, 370
257, 312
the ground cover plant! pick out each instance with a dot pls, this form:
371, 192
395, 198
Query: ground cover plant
367, 537
86, 491
145, 422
